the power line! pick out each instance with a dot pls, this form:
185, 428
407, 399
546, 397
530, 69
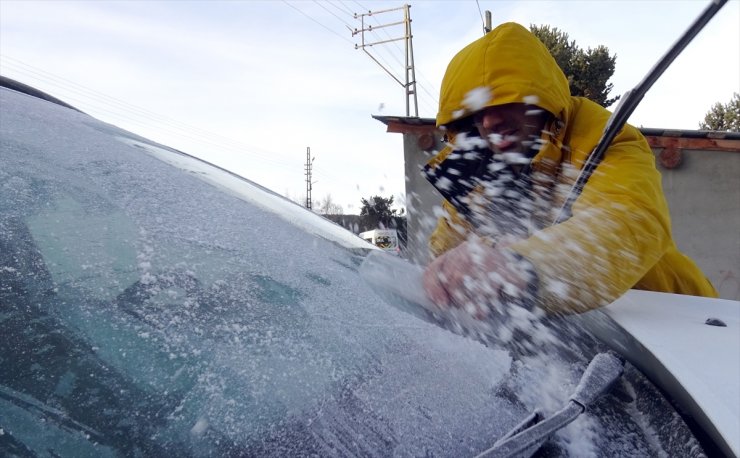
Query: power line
409, 84
317, 22
398, 48
105, 99
388, 36
344, 9
482, 22
358, 4
120, 110
380, 57
333, 14
421, 86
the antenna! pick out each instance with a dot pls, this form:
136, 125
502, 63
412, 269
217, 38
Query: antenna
410, 80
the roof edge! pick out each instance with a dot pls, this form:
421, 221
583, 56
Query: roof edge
399, 124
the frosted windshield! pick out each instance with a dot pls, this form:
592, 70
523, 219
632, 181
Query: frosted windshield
153, 305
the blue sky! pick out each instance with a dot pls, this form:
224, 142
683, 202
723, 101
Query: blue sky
250, 84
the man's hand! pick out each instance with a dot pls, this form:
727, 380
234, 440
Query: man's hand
476, 277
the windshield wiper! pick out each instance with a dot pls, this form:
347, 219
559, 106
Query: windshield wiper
627, 106
525, 438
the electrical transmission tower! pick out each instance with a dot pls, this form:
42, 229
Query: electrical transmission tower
309, 183
410, 83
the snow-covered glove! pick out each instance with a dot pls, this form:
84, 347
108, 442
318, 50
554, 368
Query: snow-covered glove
480, 279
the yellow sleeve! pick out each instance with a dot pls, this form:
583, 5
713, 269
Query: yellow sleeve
619, 230
451, 231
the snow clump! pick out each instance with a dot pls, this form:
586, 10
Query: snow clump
477, 98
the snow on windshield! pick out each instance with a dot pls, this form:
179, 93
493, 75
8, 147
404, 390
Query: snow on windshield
219, 322
255, 194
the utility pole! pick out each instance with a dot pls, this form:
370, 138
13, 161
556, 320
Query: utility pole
410, 80
309, 183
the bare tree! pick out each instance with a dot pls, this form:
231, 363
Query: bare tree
327, 206
299, 199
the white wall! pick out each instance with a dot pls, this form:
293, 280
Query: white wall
704, 198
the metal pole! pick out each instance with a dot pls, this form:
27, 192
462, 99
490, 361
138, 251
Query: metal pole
406, 72
309, 163
409, 83
410, 54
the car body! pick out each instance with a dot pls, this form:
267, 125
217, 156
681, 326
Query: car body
153, 304
688, 345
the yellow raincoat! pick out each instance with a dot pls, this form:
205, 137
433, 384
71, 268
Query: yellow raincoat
619, 235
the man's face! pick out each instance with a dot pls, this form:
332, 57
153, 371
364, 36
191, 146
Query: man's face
513, 127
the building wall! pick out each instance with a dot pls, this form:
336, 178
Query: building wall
421, 199
703, 195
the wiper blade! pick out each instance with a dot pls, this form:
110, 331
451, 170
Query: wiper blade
528, 436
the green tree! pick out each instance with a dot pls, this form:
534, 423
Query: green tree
377, 212
587, 71
723, 117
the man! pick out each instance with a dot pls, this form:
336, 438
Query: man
517, 140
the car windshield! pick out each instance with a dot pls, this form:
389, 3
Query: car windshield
154, 304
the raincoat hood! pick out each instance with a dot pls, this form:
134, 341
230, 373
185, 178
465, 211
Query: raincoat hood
507, 65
